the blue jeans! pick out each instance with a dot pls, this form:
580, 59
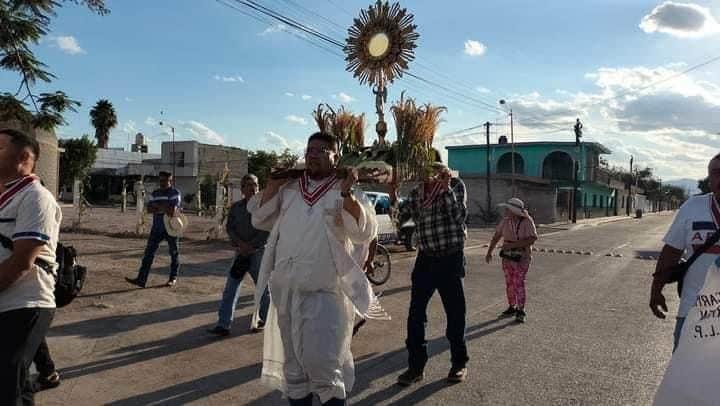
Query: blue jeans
678, 330
226, 313
152, 245
444, 274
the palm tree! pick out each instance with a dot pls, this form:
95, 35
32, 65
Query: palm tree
103, 118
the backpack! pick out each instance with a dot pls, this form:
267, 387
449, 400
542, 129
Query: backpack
70, 275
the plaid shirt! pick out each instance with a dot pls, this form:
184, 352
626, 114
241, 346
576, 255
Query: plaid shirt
440, 227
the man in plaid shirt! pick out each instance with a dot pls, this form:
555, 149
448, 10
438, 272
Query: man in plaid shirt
439, 209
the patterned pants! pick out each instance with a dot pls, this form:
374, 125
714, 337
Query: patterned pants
515, 273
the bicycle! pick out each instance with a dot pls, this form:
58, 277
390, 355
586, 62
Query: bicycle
380, 267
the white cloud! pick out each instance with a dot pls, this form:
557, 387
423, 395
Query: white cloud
306, 97
683, 20
130, 127
483, 89
129, 100
475, 48
202, 132
280, 27
296, 119
671, 126
230, 79
151, 122
68, 44
343, 97
288, 94
279, 143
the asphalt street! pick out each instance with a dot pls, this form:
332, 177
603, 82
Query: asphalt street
589, 339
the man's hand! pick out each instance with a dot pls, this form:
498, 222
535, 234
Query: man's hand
444, 176
657, 302
488, 257
349, 181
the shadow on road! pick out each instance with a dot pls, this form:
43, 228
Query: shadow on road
146, 351
187, 392
395, 362
113, 325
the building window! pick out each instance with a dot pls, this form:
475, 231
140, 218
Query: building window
180, 159
594, 201
602, 202
505, 163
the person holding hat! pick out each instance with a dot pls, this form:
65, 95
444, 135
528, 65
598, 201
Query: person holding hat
517, 230
168, 223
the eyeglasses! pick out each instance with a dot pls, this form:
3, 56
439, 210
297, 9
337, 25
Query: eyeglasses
319, 151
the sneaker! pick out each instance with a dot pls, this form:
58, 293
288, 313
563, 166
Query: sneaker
136, 281
510, 311
219, 331
520, 316
171, 283
46, 382
410, 377
457, 374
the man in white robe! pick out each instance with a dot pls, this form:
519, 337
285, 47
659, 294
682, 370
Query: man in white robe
320, 230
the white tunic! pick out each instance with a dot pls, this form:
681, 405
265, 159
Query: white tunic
312, 264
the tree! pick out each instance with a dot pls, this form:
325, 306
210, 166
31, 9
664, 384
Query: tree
104, 119
78, 158
261, 162
23, 23
704, 185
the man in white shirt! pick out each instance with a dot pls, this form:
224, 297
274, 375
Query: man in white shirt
320, 234
29, 223
694, 223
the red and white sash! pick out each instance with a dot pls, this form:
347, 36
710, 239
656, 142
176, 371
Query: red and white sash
428, 200
16, 188
312, 197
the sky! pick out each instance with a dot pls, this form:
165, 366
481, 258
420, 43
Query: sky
220, 76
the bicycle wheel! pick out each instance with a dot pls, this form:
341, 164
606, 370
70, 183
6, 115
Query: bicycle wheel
381, 266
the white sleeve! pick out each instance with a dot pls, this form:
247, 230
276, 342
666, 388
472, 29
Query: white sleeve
676, 236
264, 217
38, 219
365, 228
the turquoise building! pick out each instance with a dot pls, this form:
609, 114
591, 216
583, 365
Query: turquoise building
551, 163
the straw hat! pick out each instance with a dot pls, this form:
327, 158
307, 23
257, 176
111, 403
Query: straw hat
176, 225
516, 206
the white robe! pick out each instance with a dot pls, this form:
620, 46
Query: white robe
313, 264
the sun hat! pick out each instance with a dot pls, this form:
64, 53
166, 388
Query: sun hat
516, 206
175, 225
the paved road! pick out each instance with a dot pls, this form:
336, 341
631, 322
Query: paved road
589, 339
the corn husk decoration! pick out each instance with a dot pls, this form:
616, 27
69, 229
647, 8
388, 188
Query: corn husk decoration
415, 127
347, 127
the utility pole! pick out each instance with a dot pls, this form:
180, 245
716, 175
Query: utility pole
576, 168
487, 170
512, 146
172, 130
629, 188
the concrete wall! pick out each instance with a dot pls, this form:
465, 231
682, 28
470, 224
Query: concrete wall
47, 165
539, 197
214, 157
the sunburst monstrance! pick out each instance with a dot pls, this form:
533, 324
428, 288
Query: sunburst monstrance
380, 46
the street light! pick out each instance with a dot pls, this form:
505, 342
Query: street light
172, 130
512, 145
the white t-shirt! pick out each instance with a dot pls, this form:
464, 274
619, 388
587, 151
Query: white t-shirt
692, 225
29, 211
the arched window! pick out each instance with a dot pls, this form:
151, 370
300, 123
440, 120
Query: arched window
504, 164
558, 165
